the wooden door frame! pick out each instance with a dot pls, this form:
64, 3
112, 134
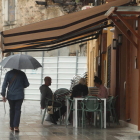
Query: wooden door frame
129, 39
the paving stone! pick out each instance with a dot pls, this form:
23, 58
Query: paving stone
32, 129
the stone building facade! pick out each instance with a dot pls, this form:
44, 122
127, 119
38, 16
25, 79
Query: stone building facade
16, 13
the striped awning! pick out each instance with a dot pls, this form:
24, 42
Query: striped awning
58, 32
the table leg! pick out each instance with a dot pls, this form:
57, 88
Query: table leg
67, 104
94, 118
104, 113
75, 113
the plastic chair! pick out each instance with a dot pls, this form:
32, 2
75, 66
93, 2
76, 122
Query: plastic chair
114, 110
47, 101
92, 104
109, 108
70, 109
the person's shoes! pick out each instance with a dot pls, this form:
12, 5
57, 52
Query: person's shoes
56, 120
53, 120
12, 128
16, 129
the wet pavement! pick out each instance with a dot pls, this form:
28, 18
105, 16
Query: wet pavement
31, 128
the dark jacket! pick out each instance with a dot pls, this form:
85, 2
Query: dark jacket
46, 92
16, 89
79, 90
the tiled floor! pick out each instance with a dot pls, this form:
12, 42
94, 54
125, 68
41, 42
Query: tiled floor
31, 128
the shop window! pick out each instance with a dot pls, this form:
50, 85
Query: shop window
9, 11
99, 65
109, 67
104, 70
99, 71
96, 66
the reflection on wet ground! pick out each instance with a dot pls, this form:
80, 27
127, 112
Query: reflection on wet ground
31, 128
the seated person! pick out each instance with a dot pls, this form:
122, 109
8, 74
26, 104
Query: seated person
46, 92
102, 90
78, 91
81, 89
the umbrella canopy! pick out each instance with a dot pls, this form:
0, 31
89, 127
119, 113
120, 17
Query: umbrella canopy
61, 93
20, 61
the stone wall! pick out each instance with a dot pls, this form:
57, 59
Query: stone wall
29, 12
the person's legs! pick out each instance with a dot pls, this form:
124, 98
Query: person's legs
53, 119
54, 116
12, 112
62, 110
18, 104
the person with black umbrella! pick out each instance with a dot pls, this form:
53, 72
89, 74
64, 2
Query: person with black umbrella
16, 80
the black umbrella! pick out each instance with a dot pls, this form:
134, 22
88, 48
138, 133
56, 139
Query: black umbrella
20, 61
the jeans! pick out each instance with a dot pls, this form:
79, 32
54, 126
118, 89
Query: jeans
15, 111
